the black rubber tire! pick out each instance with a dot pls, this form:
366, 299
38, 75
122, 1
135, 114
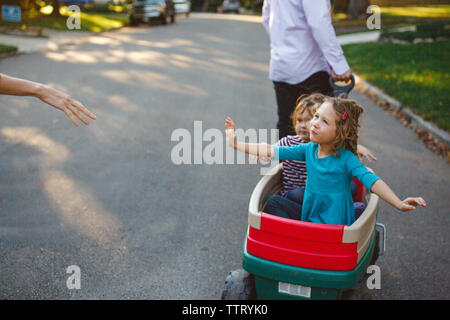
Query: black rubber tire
239, 285
376, 249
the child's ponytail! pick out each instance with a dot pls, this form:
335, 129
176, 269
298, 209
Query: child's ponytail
348, 113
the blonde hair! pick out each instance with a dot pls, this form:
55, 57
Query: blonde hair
348, 113
307, 102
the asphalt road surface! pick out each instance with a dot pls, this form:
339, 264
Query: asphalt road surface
109, 198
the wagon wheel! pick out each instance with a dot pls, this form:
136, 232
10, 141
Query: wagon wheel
239, 285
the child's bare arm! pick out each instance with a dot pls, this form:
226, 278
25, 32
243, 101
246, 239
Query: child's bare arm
381, 189
257, 149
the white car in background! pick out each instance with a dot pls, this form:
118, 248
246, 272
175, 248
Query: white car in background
182, 7
231, 6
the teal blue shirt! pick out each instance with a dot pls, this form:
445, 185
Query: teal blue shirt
327, 197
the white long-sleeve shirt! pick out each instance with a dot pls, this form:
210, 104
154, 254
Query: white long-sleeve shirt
302, 40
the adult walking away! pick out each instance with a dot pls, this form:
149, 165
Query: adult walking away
303, 52
55, 98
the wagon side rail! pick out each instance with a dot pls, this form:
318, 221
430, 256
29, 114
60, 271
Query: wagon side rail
362, 229
268, 185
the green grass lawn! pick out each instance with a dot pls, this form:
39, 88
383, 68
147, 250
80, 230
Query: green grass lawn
417, 75
406, 15
5, 48
89, 21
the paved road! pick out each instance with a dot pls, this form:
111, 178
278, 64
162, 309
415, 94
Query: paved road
108, 198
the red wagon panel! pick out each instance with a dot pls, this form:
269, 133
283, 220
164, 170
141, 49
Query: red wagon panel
302, 244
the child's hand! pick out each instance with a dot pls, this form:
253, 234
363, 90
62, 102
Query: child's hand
363, 152
411, 204
253, 159
229, 124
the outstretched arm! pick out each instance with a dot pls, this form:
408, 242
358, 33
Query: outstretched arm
57, 99
257, 149
381, 189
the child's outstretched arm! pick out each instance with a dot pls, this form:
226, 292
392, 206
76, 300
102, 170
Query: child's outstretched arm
381, 189
257, 149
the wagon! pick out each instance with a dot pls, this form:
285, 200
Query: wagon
290, 259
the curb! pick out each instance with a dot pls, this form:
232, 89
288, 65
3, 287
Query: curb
434, 138
8, 54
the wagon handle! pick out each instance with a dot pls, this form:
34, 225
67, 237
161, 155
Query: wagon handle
383, 239
342, 91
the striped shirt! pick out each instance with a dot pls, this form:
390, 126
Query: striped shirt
294, 172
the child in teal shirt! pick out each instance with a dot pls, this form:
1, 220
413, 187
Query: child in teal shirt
327, 197
331, 164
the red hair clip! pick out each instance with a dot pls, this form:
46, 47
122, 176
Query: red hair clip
344, 116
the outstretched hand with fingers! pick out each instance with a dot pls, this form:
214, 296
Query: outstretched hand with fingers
62, 101
411, 204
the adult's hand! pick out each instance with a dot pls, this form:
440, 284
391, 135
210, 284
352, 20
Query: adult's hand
65, 103
343, 77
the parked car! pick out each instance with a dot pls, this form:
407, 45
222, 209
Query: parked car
146, 10
231, 6
182, 7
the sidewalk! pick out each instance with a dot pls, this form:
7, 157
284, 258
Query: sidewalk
369, 36
57, 38
54, 40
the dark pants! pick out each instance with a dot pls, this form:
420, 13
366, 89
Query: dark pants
289, 207
287, 95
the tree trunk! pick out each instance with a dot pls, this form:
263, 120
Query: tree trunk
205, 6
357, 8
55, 4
